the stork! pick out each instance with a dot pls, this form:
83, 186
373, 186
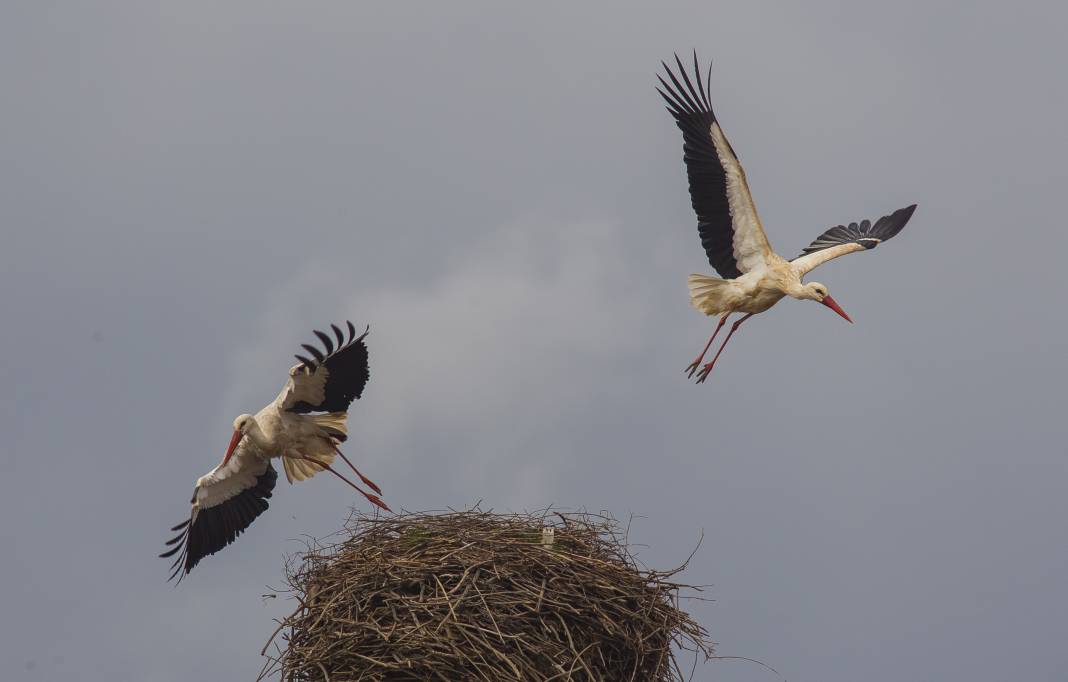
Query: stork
754, 278
228, 499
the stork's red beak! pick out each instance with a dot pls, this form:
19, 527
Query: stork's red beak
833, 305
233, 445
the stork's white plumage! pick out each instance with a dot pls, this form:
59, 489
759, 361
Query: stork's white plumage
754, 277
230, 497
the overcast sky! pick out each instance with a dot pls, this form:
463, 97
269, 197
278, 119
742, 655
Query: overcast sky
186, 192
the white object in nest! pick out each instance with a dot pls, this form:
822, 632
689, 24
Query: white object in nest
548, 536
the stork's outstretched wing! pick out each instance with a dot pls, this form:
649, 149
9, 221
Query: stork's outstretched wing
226, 501
727, 220
330, 381
842, 239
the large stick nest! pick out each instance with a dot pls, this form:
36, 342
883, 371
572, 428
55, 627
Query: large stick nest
481, 596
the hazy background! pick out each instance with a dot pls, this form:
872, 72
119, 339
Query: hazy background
186, 192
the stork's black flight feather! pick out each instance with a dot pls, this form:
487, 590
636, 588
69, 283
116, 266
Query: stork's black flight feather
211, 528
693, 113
864, 233
344, 370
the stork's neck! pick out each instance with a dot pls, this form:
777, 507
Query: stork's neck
257, 436
795, 289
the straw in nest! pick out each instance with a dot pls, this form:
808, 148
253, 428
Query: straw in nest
480, 596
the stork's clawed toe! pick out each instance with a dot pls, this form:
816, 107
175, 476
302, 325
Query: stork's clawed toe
705, 371
370, 483
689, 371
377, 501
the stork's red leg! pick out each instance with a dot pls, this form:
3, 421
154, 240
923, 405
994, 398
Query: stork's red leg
708, 368
373, 499
696, 363
367, 481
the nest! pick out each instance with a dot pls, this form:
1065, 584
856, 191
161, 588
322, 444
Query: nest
481, 596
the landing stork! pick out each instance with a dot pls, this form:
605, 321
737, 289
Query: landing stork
230, 497
754, 277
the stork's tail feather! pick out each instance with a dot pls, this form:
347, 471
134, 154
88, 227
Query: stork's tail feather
334, 426
333, 423
301, 469
707, 293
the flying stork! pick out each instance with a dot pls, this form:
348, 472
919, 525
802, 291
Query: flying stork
230, 497
754, 277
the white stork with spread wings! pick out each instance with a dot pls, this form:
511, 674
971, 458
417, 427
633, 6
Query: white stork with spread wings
754, 277
230, 497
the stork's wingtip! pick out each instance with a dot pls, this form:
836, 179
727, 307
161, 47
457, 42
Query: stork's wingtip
905, 214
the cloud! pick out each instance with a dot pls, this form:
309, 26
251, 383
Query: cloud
473, 370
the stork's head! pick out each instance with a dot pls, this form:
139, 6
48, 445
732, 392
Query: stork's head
817, 292
241, 426
242, 423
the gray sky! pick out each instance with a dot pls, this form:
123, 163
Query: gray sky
186, 192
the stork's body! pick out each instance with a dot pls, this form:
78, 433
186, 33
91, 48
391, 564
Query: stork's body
302, 427
753, 276
277, 433
753, 292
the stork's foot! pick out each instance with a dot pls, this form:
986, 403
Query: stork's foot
363, 478
705, 371
693, 367
377, 501
697, 363
372, 498
708, 368
371, 484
